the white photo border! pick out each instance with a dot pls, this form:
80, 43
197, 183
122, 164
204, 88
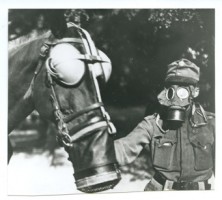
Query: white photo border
10, 4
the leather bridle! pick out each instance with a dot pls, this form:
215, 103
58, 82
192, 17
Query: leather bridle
90, 57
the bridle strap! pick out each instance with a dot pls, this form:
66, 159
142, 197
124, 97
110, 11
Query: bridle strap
87, 130
81, 112
43, 54
64, 40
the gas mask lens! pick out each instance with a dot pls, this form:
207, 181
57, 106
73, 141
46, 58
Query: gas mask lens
181, 92
170, 93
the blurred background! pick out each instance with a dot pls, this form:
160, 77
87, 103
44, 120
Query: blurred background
140, 44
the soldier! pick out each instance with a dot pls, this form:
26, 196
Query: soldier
180, 136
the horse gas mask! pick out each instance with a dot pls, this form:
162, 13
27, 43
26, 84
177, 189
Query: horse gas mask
90, 145
85, 130
176, 98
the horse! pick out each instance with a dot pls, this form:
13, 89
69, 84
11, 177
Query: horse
58, 77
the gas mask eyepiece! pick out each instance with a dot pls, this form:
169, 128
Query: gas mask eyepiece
181, 92
175, 98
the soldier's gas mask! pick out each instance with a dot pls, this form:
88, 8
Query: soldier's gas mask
180, 90
177, 97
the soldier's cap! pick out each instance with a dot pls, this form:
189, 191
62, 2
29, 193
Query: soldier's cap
182, 71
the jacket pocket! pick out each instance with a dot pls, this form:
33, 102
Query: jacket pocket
203, 155
164, 150
202, 141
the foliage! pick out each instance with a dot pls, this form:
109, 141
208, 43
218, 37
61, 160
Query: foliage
140, 43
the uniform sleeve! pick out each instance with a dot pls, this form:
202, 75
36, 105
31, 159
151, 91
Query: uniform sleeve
128, 148
211, 124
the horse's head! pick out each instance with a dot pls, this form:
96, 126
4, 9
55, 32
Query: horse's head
66, 91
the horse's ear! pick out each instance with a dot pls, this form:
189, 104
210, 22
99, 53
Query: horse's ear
57, 23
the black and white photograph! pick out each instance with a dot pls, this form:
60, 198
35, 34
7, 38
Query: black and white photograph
110, 100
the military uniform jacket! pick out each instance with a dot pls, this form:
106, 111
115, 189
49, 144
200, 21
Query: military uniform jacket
185, 154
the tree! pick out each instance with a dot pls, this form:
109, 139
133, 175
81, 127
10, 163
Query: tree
140, 43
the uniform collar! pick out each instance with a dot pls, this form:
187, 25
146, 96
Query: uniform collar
197, 115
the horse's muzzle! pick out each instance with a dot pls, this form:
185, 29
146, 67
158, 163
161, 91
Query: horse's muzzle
94, 161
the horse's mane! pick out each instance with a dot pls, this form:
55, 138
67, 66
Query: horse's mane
24, 40
20, 42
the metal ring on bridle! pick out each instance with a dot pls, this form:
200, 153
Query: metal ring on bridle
66, 140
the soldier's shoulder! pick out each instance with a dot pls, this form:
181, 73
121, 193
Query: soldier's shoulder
210, 115
150, 117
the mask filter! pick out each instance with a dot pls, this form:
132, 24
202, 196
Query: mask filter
176, 113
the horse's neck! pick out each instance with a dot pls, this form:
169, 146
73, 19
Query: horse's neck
22, 65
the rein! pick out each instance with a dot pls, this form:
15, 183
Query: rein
63, 136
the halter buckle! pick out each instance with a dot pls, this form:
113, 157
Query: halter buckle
44, 50
66, 140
